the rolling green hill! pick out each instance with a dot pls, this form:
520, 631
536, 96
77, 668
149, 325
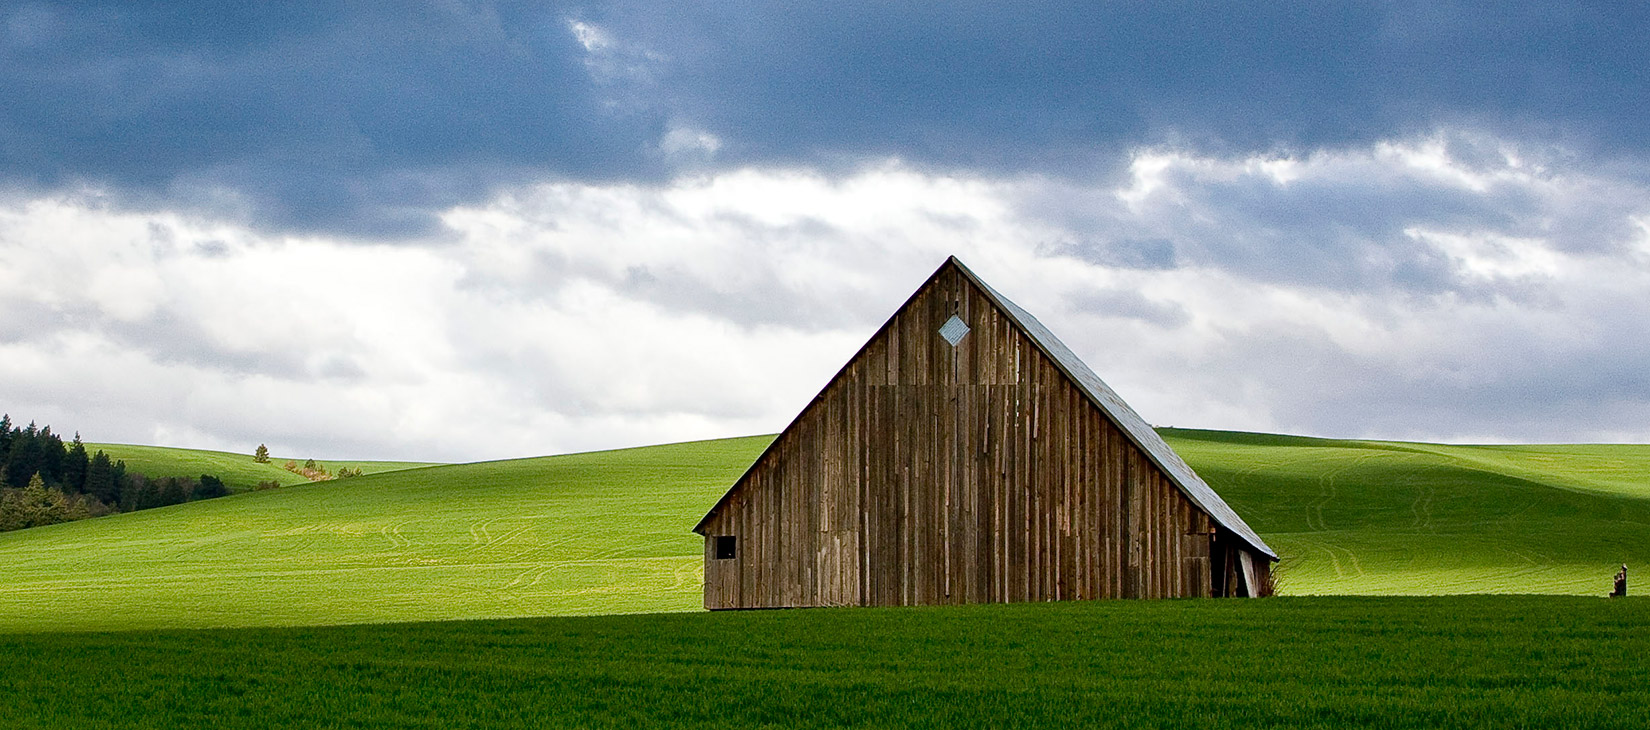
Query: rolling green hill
604, 532
608, 532
238, 471
1377, 517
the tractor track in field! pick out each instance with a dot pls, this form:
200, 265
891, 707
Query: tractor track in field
481, 537
1327, 492
392, 532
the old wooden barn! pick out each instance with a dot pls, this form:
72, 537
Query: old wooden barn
965, 455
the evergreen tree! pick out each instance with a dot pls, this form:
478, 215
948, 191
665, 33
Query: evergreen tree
125, 487
140, 493
24, 460
6, 434
100, 479
52, 456
261, 455
172, 491
74, 467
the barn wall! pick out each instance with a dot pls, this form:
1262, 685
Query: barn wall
925, 474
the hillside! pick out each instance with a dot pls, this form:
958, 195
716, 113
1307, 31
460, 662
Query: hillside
1377, 517
608, 532
238, 471
604, 532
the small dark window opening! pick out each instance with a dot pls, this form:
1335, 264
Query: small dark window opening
727, 547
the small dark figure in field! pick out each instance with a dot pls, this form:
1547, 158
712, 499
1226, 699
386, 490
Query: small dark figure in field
1621, 582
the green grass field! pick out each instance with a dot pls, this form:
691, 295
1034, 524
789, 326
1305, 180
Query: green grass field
604, 532
238, 471
1375, 517
1335, 662
609, 532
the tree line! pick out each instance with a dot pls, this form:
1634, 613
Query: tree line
45, 481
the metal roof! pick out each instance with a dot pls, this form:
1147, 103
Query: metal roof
1138, 431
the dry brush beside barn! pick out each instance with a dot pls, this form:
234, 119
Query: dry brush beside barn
965, 455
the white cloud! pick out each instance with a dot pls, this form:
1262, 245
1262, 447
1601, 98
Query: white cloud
615, 63
1404, 290
592, 37
682, 141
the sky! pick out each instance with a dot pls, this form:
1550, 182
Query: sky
461, 230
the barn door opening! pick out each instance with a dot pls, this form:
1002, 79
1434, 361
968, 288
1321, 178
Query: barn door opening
1232, 572
1217, 567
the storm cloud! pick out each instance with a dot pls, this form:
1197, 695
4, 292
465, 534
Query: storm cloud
369, 119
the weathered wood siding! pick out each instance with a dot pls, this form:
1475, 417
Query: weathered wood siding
927, 474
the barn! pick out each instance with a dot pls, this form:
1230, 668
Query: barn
965, 455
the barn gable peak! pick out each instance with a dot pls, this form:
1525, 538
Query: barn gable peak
1095, 390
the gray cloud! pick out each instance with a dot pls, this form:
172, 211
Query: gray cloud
1502, 385
1130, 304
363, 120
368, 119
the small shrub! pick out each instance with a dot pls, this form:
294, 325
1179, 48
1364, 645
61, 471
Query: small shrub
38, 504
311, 470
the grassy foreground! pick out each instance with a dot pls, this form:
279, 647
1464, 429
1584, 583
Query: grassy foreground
238, 471
1455, 662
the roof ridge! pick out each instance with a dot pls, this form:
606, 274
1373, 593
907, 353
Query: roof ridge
1108, 401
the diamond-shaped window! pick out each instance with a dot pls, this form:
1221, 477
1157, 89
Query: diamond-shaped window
954, 330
